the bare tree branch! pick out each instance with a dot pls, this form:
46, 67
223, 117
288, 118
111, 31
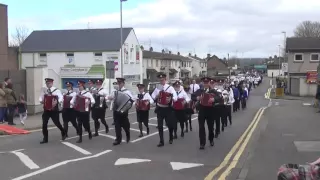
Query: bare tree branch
18, 37
308, 29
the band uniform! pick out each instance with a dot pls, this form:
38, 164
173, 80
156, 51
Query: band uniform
68, 112
82, 103
51, 99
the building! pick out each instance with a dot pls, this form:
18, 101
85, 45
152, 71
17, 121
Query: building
174, 65
84, 54
199, 66
216, 66
303, 56
274, 71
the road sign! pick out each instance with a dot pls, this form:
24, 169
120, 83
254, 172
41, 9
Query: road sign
110, 69
284, 67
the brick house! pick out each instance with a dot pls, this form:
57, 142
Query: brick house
216, 66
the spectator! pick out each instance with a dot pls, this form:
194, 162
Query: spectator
22, 108
11, 102
5, 83
3, 104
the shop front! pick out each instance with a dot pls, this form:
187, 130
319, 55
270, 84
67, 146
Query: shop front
74, 74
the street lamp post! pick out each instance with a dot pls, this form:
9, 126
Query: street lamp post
121, 39
279, 59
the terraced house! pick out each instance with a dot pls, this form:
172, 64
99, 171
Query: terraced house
84, 54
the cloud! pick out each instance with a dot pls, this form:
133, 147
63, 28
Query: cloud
250, 27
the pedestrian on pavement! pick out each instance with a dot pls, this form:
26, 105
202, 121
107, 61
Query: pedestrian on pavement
68, 112
3, 104
143, 101
99, 108
11, 103
165, 95
206, 114
51, 99
121, 119
4, 84
82, 104
318, 97
22, 109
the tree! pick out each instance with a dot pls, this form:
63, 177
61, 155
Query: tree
17, 38
308, 29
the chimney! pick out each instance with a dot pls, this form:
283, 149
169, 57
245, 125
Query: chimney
190, 54
163, 51
151, 49
208, 55
141, 47
169, 52
178, 53
195, 55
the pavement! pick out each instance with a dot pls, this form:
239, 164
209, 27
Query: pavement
288, 133
140, 159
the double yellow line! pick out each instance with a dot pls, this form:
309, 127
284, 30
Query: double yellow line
243, 141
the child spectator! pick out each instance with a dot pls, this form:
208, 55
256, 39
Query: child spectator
22, 109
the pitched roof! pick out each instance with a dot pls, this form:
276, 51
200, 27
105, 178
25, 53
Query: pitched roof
164, 56
303, 43
74, 40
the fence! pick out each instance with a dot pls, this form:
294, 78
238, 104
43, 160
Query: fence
18, 80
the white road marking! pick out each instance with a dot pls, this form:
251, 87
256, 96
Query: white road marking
178, 165
137, 130
155, 133
306, 104
77, 148
25, 159
151, 124
40, 171
124, 161
86, 134
149, 119
109, 136
276, 103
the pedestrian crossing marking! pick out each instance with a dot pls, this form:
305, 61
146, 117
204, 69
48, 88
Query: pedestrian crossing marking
77, 148
25, 159
125, 161
179, 165
137, 130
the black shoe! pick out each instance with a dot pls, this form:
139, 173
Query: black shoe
212, 143
160, 144
128, 139
115, 143
67, 135
230, 123
186, 130
79, 140
148, 131
141, 135
64, 137
175, 136
170, 141
222, 129
43, 142
182, 134
216, 136
190, 128
96, 134
90, 135
107, 129
201, 147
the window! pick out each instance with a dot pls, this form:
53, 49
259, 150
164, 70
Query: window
70, 58
97, 54
157, 65
298, 57
314, 57
176, 63
43, 55
42, 59
98, 57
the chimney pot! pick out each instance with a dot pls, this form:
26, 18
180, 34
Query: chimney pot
208, 55
151, 49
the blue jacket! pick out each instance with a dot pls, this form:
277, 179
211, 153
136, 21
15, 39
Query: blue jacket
245, 94
235, 92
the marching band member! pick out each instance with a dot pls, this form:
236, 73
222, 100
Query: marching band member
121, 120
207, 99
228, 96
236, 96
51, 100
164, 95
68, 113
143, 101
244, 97
91, 87
99, 108
179, 108
82, 103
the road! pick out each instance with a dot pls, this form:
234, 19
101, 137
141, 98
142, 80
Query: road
140, 159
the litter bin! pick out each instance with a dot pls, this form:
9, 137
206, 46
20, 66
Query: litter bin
279, 92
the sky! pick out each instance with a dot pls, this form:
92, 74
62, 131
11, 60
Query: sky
246, 28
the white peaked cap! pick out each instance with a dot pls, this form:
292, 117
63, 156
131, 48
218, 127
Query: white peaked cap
219, 90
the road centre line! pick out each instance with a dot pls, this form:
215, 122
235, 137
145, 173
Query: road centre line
40, 171
233, 150
236, 158
77, 148
25, 159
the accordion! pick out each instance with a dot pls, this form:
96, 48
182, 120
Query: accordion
179, 104
66, 101
50, 102
143, 105
205, 99
81, 104
163, 98
100, 101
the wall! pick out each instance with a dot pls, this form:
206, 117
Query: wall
3, 35
275, 72
306, 65
307, 89
18, 78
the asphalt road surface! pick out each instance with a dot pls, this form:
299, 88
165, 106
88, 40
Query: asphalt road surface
22, 157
